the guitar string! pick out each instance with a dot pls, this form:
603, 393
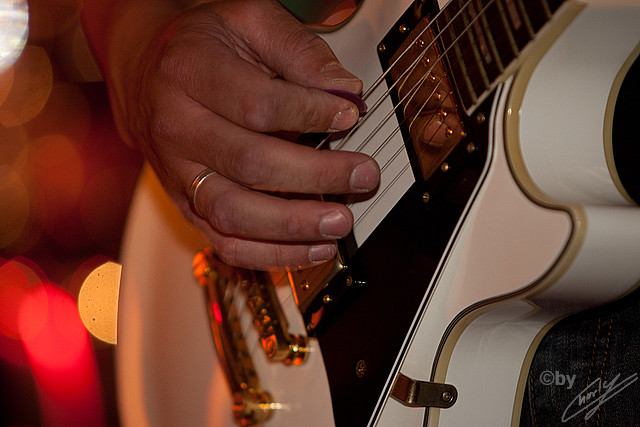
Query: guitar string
409, 69
416, 87
402, 79
399, 151
381, 78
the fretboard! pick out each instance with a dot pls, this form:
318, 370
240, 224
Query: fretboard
481, 38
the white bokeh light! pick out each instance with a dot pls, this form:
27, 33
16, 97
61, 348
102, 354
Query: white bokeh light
14, 28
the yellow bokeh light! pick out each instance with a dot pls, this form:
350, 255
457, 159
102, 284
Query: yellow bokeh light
14, 21
98, 302
32, 83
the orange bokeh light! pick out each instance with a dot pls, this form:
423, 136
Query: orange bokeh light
6, 81
67, 113
14, 206
57, 171
32, 82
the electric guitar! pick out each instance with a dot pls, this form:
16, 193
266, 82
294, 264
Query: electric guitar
505, 134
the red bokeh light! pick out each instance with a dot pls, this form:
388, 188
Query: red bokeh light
13, 288
61, 358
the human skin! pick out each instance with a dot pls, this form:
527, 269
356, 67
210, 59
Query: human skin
210, 85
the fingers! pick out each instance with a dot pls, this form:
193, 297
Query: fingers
265, 104
232, 209
269, 255
265, 162
225, 75
270, 77
254, 230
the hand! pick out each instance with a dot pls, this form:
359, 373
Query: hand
212, 88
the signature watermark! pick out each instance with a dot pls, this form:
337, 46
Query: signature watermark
589, 399
557, 379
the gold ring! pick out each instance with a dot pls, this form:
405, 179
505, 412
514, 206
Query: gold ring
193, 190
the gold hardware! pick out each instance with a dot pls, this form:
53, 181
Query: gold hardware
480, 118
361, 368
381, 47
251, 405
403, 28
348, 281
326, 299
309, 283
445, 167
426, 197
428, 93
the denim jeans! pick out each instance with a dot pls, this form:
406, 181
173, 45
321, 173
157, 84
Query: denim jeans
586, 368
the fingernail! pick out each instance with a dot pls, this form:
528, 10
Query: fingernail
322, 253
345, 119
335, 72
365, 176
334, 225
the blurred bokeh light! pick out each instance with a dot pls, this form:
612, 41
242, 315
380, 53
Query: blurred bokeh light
66, 180
14, 22
30, 88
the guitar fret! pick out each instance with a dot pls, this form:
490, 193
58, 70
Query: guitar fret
519, 30
509, 32
546, 8
536, 14
483, 37
499, 33
492, 43
526, 19
454, 57
477, 46
473, 68
554, 5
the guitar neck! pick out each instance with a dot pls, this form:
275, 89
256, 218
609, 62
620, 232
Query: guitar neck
482, 39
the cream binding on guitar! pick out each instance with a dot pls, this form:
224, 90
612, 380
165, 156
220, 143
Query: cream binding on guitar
506, 202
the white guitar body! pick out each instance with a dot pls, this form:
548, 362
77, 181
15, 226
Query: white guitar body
548, 232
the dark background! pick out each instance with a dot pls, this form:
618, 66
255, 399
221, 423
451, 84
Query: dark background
66, 180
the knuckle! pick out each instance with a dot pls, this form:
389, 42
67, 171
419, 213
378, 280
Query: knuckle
257, 112
314, 117
301, 41
250, 166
